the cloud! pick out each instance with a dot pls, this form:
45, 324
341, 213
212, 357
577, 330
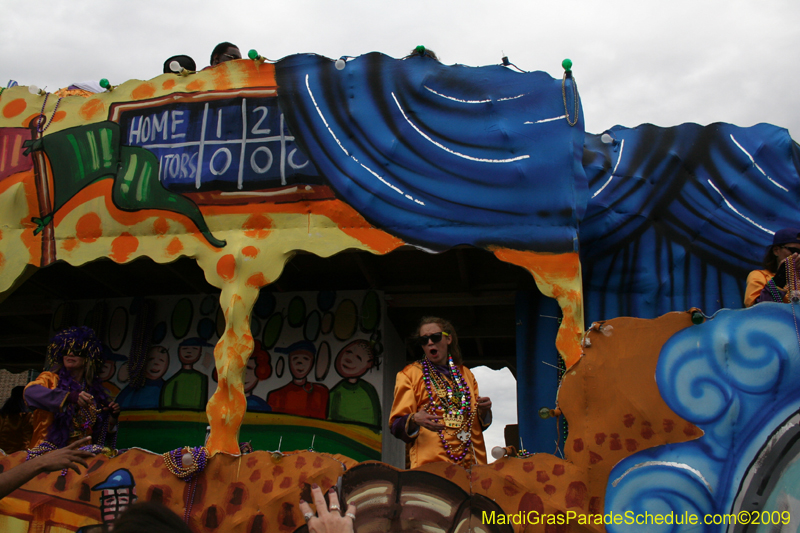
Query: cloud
501, 387
635, 62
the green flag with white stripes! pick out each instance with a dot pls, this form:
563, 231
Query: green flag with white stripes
82, 155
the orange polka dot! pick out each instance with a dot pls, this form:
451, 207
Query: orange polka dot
27, 121
256, 226
257, 280
174, 247
123, 246
2, 260
226, 267
88, 228
1, 235
168, 84
59, 116
14, 108
196, 85
69, 244
145, 90
91, 109
249, 251
160, 226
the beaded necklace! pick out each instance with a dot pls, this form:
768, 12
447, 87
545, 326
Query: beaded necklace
774, 292
197, 458
47, 446
791, 279
142, 330
454, 401
576, 98
41, 121
84, 420
41, 449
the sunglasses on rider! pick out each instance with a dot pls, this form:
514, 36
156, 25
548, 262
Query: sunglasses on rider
435, 337
792, 249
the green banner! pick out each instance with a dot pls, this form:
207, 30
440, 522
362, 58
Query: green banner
82, 155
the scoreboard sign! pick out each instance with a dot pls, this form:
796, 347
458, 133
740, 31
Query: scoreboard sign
221, 141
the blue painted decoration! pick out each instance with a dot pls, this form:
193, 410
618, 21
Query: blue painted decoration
439, 155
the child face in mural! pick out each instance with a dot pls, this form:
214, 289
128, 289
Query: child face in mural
157, 362
189, 355
300, 364
250, 378
108, 370
354, 360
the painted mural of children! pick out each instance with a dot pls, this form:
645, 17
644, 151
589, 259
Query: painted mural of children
259, 368
109, 369
147, 397
299, 397
353, 399
188, 388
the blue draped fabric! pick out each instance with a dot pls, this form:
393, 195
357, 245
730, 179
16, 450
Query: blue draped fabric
678, 216
442, 156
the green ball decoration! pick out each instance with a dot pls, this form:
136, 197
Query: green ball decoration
420, 50
567, 64
544, 413
697, 318
252, 54
104, 83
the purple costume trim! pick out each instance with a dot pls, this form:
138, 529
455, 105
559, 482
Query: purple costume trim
769, 292
398, 429
40, 397
58, 401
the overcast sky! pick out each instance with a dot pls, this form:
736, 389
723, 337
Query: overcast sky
501, 387
635, 61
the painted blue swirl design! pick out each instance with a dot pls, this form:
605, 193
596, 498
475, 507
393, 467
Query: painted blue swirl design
737, 377
634, 496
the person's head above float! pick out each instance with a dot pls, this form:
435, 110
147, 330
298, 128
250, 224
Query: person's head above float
438, 338
223, 52
183, 62
149, 516
76, 350
785, 242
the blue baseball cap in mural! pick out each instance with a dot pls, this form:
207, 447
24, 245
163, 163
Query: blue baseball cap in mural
195, 341
299, 346
118, 479
786, 236
109, 355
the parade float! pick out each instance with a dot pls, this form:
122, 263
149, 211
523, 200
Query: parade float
684, 406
